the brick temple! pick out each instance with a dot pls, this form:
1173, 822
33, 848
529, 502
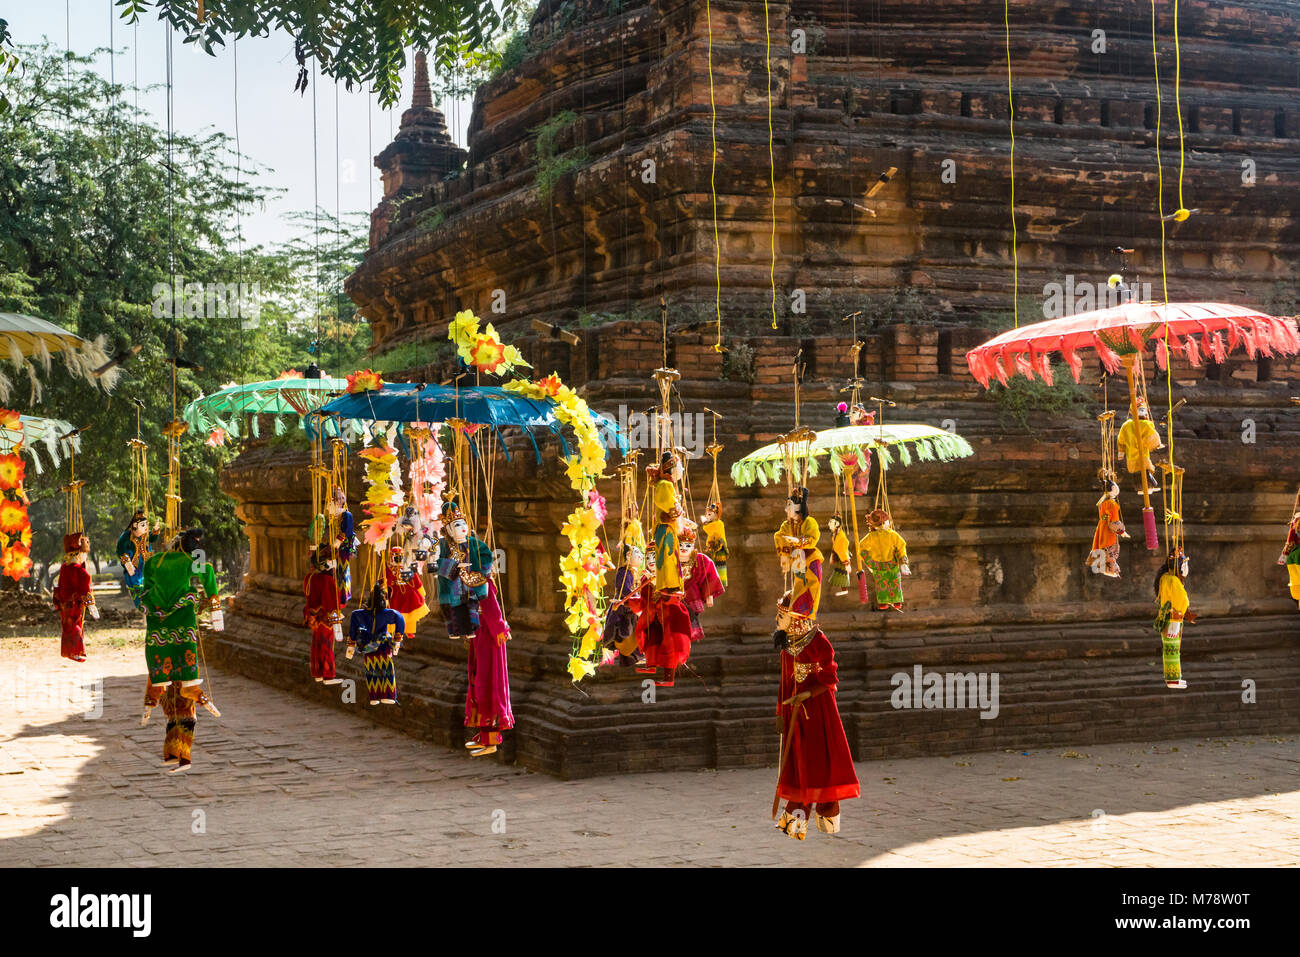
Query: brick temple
582, 199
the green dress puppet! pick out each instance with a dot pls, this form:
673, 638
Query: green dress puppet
1171, 596
176, 585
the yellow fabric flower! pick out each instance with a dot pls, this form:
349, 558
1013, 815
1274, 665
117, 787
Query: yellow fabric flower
579, 669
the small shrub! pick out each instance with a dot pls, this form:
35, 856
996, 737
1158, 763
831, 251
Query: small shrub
1022, 398
738, 363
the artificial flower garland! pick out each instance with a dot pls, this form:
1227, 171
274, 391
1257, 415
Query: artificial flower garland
15, 524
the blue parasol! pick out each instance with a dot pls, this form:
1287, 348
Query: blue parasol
489, 406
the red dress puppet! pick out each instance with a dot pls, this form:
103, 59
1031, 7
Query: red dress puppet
663, 632
322, 614
817, 766
405, 589
702, 581
73, 594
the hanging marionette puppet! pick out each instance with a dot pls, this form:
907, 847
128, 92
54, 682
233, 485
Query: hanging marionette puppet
882, 552
1104, 557
323, 613
1171, 596
703, 584
472, 610
715, 539
74, 596
172, 595
1138, 438
405, 588
135, 546
378, 631
664, 621
816, 771
857, 464
796, 544
841, 565
1290, 556
344, 544
619, 634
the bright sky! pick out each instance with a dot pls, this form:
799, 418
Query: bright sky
275, 124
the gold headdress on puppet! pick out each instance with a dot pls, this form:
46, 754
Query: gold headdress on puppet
451, 512
797, 624
877, 518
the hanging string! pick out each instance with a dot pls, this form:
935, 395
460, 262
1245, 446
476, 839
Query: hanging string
338, 241
239, 225
713, 186
1011, 123
771, 153
315, 206
1178, 106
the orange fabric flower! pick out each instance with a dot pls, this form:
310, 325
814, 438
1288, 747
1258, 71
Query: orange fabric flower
487, 354
13, 517
364, 380
551, 385
16, 562
12, 471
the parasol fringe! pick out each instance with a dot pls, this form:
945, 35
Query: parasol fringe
1191, 351
1072, 361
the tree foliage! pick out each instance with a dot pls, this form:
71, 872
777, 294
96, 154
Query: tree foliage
101, 215
358, 44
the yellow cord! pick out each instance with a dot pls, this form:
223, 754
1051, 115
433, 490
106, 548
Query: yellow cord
1160, 170
1011, 106
713, 189
771, 153
1178, 79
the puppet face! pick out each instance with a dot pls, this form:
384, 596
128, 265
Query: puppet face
676, 470
833, 524
1183, 565
685, 552
459, 531
711, 514
634, 559
1112, 490
140, 528
791, 511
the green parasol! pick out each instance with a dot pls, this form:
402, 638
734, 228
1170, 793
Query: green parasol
925, 442
35, 428
278, 397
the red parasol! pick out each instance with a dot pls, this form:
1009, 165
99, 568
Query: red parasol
1195, 330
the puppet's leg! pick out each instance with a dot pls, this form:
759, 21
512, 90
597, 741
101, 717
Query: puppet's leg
1171, 647
794, 819
828, 817
179, 740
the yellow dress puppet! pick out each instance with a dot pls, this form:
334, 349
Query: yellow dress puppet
670, 520
1290, 556
715, 539
882, 553
841, 567
1137, 439
1171, 596
796, 543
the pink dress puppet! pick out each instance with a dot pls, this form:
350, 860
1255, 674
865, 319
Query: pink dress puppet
487, 698
702, 581
858, 463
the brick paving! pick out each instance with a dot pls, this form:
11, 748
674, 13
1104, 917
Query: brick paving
280, 781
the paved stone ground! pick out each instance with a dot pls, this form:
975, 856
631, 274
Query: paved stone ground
280, 781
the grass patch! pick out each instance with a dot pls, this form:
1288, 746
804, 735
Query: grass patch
552, 165
410, 355
1024, 399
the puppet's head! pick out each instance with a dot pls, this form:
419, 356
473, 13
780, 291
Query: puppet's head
712, 512
76, 546
860, 416
834, 523
796, 506
633, 559
670, 467
138, 527
191, 541
1175, 564
323, 557
1109, 487
789, 623
454, 522
1143, 411
378, 599
878, 518
686, 546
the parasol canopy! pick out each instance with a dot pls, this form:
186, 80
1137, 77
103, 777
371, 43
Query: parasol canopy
35, 428
489, 406
925, 441
279, 397
1194, 329
27, 338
